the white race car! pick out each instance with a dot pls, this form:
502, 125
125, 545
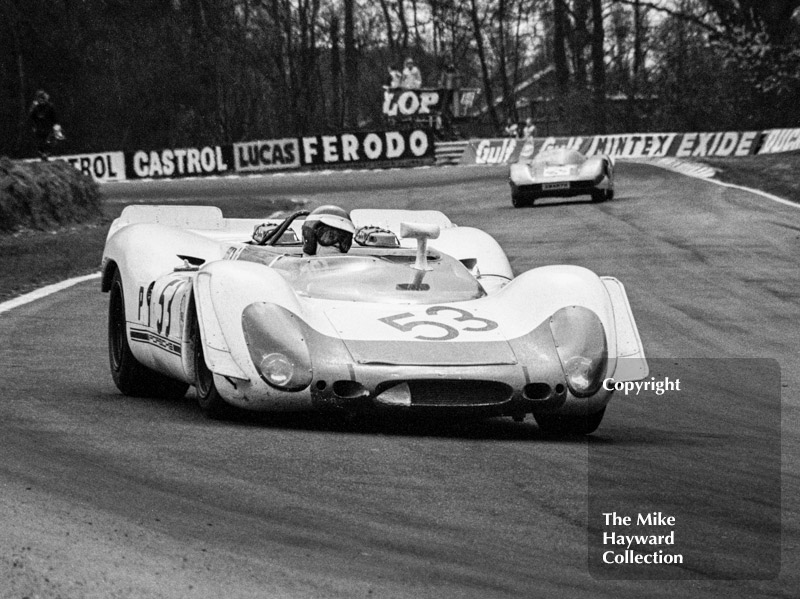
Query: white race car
421, 316
560, 172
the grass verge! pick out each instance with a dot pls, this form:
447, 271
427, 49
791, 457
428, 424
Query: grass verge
773, 173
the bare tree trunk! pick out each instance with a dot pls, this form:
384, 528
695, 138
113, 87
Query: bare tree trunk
487, 83
559, 44
509, 101
350, 66
336, 72
598, 67
389, 30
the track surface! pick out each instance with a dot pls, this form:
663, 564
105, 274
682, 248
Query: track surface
106, 496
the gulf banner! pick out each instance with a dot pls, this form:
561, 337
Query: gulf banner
639, 145
176, 163
367, 148
102, 167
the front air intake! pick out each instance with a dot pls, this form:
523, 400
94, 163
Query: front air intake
466, 393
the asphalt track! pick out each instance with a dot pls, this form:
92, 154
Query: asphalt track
107, 496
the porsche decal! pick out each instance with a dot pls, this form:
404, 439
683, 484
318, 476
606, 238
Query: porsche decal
142, 336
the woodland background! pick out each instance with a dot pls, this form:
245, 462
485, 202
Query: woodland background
130, 74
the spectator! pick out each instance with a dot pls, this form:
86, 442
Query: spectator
512, 128
529, 130
44, 122
412, 78
395, 77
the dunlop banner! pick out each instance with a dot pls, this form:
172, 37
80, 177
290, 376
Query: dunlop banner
103, 167
412, 102
367, 148
177, 163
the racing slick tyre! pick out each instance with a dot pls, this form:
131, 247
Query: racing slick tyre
130, 376
602, 195
567, 424
520, 200
208, 398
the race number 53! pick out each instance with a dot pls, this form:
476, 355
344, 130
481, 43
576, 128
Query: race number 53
449, 321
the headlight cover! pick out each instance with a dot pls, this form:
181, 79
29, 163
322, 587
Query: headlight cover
580, 341
277, 347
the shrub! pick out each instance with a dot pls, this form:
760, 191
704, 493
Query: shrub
42, 195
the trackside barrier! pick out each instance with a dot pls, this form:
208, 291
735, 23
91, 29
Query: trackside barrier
410, 147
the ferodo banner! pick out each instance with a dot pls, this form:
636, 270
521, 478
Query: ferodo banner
179, 162
362, 148
412, 102
275, 154
107, 166
780, 140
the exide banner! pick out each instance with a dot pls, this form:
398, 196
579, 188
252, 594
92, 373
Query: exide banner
412, 102
362, 148
275, 154
180, 162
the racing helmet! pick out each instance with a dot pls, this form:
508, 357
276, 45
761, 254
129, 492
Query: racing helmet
327, 226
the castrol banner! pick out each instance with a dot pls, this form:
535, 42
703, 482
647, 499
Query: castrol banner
367, 148
103, 167
176, 163
638, 145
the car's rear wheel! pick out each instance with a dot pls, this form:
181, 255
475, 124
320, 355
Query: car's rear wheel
130, 376
569, 424
208, 397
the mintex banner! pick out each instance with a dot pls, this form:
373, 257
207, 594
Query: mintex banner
365, 148
176, 163
412, 102
639, 145
259, 156
107, 166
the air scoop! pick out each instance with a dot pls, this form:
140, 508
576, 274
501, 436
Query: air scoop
422, 233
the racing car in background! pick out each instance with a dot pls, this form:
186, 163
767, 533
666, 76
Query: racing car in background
560, 172
420, 317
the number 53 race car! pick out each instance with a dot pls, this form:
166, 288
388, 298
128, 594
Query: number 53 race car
420, 317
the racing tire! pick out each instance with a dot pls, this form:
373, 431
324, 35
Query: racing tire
568, 424
519, 200
208, 398
130, 376
600, 195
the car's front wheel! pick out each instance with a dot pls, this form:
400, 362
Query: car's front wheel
569, 424
130, 376
208, 397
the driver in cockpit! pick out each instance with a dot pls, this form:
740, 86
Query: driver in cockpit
327, 227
